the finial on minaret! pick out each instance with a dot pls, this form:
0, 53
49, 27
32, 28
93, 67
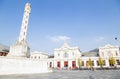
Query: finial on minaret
24, 26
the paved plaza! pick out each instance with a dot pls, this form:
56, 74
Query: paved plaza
67, 74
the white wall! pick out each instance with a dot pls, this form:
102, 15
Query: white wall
109, 51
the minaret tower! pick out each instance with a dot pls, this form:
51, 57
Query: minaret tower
21, 49
24, 26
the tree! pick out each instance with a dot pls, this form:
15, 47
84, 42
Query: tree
79, 62
112, 61
101, 62
90, 62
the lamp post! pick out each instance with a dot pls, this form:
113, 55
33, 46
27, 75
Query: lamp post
117, 40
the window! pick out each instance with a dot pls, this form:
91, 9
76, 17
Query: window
65, 63
116, 53
58, 64
92, 63
73, 53
109, 54
103, 54
118, 62
65, 55
82, 63
25, 27
27, 16
73, 64
26, 21
39, 57
35, 57
50, 64
23, 39
103, 62
24, 33
98, 63
58, 54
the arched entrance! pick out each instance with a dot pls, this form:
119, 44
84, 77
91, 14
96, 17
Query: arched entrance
65, 63
50, 65
58, 64
73, 64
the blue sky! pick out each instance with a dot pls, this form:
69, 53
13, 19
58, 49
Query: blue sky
87, 24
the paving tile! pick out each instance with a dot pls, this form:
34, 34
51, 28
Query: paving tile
67, 74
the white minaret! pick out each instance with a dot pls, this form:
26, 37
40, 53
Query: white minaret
21, 49
16, 61
24, 26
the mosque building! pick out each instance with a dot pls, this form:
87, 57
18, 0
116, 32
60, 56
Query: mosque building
71, 57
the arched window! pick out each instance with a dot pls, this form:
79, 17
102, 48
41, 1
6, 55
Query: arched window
103, 54
109, 54
116, 53
73, 54
35, 57
65, 55
50, 64
58, 54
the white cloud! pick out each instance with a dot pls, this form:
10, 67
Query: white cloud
99, 39
59, 38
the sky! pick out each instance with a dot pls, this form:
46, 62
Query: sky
87, 24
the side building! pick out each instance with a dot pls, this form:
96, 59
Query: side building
4, 50
38, 55
109, 51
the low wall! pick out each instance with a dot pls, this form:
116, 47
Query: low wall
22, 66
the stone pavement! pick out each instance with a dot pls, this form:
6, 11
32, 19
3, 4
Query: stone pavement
67, 74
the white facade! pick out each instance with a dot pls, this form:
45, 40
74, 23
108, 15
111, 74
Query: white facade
38, 55
67, 52
68, 57
109, 51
